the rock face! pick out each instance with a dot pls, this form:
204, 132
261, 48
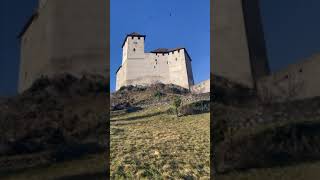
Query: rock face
132, 96
56, 114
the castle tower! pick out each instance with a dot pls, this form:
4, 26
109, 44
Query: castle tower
132, 55
239, 51
62, 37
133, 47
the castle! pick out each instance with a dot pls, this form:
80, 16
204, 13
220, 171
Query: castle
62, 36
168, 66
239, 54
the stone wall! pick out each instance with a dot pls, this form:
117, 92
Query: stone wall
297, 81
230, 53
35, 48
202, 87
169, 68
238, 50
65, 37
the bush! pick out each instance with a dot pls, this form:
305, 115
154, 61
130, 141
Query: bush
158, 95
171, 111
177, 103
195, 108
274, 146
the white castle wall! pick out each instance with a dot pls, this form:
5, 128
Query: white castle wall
230, 53
140, 68
64, 38
202, 87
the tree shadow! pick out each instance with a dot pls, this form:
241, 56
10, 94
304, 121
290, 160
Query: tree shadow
139, 117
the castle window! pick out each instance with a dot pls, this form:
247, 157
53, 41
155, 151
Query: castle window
176, 59
131, 37
162, 54
167, 62
138, 37
135, 42
287, 76
134, 49
300, 70
154, 67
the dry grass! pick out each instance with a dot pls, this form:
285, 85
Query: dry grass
153, 145
306, 171
88, 167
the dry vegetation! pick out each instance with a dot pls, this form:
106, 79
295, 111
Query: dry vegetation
84, 168
58, 125
154, 145
259, 141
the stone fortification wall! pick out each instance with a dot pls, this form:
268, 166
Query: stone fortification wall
64, 37
202, 87
297, 81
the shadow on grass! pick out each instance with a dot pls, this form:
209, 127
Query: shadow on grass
122, 112
139, 117
85, 176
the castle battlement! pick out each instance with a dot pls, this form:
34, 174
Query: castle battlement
168, 66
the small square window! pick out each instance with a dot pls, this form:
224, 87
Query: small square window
134, 49
300, 70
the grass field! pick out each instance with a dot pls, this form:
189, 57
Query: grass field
305, 171
149, 144
88, 167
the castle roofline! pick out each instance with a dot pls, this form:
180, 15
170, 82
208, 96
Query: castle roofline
166, 50
133, 34
27, 25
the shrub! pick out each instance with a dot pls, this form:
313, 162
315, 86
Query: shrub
195, 108
158, 95
274, 146
177, 103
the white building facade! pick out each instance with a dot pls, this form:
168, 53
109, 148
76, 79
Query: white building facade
168, 66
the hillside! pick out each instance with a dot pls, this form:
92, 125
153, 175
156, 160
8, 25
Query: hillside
253, 138
58, 119
148, 141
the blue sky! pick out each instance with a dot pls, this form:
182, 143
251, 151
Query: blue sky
167, 24
291, 30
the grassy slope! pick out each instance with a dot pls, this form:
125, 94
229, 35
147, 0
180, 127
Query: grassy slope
151, 144
88, 167
305, 171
